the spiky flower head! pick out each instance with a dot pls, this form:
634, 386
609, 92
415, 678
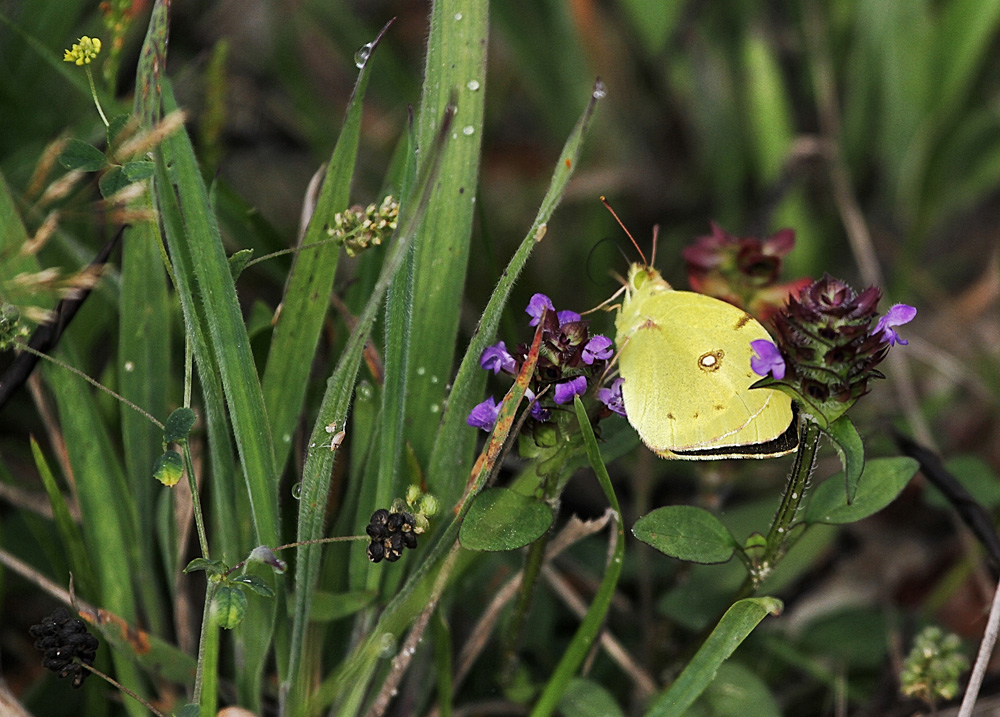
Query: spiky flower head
827, 347
931, 670
83, 52
361, 227
742, 271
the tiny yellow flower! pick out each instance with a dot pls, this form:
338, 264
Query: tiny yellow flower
84, 52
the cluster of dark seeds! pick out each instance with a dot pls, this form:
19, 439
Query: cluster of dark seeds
63, 638
390, 533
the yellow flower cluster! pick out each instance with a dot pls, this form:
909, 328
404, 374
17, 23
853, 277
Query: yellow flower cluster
83, 52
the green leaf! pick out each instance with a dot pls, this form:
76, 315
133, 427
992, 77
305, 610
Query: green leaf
83, 156
333, 606
687, 533
169, 468
737, 691
238, 262
229, 607
585, 698
115, 126
885, 478
178, 425
501, 519
190, 710
138, 170
112, 181
256, 585
212, 567
848, 443
734, 627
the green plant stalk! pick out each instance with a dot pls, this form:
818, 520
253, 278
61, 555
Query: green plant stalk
199, 519
791, 501
207, 652
529, 579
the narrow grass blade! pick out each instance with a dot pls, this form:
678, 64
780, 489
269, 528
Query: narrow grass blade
335, 405
734, 627
454, 442
590, 628
455, 71
306, 298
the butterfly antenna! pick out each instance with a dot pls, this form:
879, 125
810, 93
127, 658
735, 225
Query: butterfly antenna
656, 236
624, 228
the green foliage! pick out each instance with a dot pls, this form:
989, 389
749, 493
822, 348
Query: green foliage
313, 352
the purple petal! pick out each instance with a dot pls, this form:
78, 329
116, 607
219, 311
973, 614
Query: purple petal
565, 391
566, 317
612, 397
597, 349
496, 359
537, 411
896, 316
484, 415
537, 306
767, 359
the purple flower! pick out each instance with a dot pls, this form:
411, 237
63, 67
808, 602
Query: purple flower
767, 359
565, 391
896, 316
597, 349
484, 415
496, 358
538, 412
612, 397
566, 317
537, 306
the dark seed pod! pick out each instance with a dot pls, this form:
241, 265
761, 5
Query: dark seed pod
376, 551
409, 539
376, 531
380, 516
395, 522
64, 640
408, 521
393, 555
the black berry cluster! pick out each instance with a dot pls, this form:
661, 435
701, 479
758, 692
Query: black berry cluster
62, 639
390, 534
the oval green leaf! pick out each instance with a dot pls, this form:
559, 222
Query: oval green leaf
884, 479
229, 607
255, 584
169, 468
80, 155
500, 519
178, 425
687, 533
584, 698
847, 441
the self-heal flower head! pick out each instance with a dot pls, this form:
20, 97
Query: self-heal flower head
537, 306
496, 358
767, 359
484, 415
896, 316
565, 391
597, 349
612, 397
83, 52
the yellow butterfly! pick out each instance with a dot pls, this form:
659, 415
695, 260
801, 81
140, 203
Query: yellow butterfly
685, 361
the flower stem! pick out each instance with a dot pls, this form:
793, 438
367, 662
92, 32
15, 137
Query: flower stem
93, 92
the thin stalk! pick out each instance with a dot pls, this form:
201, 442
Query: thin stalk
199, 520
532, 568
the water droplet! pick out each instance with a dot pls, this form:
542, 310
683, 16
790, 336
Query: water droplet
387, 645
365, 391
458, 16
795, 496
421, 370
600, 90
468, 130
361, 56
129, 366
297, 490
454, 135
473, 85
435, 407
434, 379
286, 438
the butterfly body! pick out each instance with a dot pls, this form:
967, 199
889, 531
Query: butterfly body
685, 358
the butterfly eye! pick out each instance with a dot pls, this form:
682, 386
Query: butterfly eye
711, 361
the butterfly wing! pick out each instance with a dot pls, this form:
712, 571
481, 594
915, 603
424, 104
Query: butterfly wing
686, 365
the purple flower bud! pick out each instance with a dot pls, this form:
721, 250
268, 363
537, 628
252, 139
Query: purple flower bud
538, 412
565, 391
566, 317
484, 415
263, 554
597, 349
612, 397
537, 306
496, 358
767, 359
896, 316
